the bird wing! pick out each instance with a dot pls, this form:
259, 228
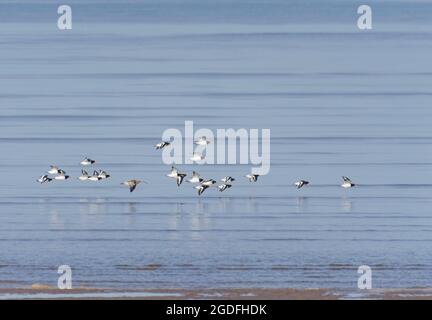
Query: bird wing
201, 190
180, 178
132, 187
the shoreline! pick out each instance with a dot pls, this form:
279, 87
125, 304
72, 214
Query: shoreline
43, 292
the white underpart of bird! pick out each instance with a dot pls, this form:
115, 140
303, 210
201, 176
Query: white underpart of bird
224, 186
162, 145
44, 179
347, 183
252, 177
87, 162
61, 176
84, 176
202, 141
227, 179
132, 184
301, 183
197, 157
196, 178
53, 170
173, 173
208, 182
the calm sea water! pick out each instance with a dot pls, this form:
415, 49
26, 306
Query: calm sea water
338, 102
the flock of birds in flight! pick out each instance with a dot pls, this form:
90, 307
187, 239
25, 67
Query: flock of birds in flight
201, 184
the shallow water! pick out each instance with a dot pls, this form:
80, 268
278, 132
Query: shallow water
337, 101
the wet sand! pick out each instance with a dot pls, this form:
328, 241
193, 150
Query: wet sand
47, 293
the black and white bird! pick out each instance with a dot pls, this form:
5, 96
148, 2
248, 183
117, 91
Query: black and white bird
202, 141
53, 170
205, 185
95, 176
162, 145
84, 176
252, 177
44, 179
224, 186
87, 162
196, 178
201, 189
347, 183
103, 174
301, 183
227, 179
132, 184
173, 173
